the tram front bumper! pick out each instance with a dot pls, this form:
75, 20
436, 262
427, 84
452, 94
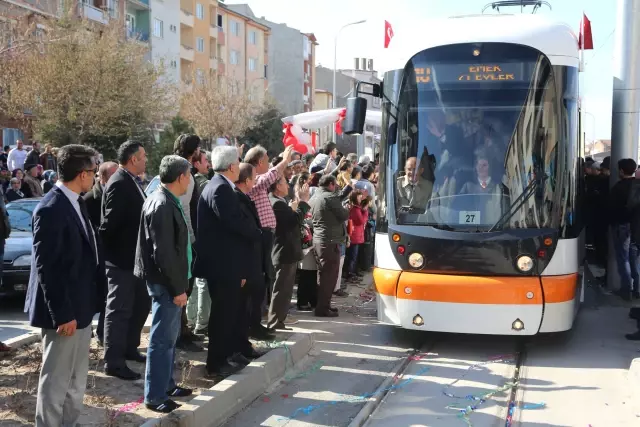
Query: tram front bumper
475, 304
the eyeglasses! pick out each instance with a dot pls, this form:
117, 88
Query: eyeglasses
92, 171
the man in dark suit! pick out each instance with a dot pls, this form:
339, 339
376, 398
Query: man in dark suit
287, 249
93, 200
128, 302
254, 265
223, 234
65, 288
93, 197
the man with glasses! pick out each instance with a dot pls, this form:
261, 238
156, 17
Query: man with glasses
66, 288
128, 302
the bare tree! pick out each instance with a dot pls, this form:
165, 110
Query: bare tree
218, 107
81, 80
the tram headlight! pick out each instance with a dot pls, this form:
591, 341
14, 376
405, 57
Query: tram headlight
524, 263
416, 260
418, 320
517, 325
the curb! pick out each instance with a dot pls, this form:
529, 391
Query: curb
216, 405
372, 404
634, 377
31, 337
23, 340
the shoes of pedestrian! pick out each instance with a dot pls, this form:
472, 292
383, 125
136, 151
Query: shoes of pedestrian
254, 354
239, 359
279, 327
137, 357
122, 372
261, 333
180, 392
633, 337
189, 346
202, 331
191, 337
341, 293
165, 407
305, 307
228, 368
359, 274
290, 320
335, 310
634, 313
329, 313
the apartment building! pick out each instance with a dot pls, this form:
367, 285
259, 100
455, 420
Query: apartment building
165, 36
243, 51
291, 64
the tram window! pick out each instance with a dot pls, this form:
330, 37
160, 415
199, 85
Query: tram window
468, 149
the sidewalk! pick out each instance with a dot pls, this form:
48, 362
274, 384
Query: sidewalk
110, 401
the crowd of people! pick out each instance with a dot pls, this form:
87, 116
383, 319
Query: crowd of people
614, 213
102, 245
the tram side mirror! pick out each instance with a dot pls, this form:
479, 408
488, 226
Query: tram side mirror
356, 114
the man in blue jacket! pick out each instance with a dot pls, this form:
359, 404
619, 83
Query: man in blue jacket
66, 289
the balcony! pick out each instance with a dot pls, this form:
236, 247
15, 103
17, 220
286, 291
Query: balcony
213, 63
186, 18
139, 4
220, 37
213, 31
187, 52
94, 14
138, 35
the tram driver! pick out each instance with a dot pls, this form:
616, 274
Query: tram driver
485, 194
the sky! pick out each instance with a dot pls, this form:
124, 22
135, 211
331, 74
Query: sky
325, 17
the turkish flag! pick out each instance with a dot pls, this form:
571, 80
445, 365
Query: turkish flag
585, 40
388, 34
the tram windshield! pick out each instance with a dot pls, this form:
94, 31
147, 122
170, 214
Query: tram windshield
475, 130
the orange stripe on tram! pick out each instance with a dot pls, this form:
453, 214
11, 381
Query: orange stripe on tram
386, 281
469, 289
559, 288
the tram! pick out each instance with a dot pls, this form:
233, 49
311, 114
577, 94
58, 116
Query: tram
479, 228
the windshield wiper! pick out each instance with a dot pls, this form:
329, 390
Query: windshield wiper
519, 202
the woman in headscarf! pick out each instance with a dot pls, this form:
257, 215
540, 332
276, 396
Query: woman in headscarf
49, 180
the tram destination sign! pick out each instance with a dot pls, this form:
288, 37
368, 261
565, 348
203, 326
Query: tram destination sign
473, 73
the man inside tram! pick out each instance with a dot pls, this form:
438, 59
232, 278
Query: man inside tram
413, 190
485, 194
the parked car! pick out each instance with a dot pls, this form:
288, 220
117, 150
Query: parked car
153, 185
17, 248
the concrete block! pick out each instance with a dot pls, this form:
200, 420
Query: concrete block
214, 406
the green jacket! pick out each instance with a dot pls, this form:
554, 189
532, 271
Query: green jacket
329, 217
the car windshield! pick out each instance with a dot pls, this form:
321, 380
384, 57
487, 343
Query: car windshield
472, 135
153, 186
20, 215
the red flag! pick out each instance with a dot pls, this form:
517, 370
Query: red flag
388, 34
585, 40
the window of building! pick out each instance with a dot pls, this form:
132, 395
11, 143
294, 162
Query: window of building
235, 28
253, 37
200, 44
265, 71
234, 57
199, 11
253, 64
158, 28
200, 76
172, 28
219, 20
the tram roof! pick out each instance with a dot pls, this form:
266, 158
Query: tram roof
553, 38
